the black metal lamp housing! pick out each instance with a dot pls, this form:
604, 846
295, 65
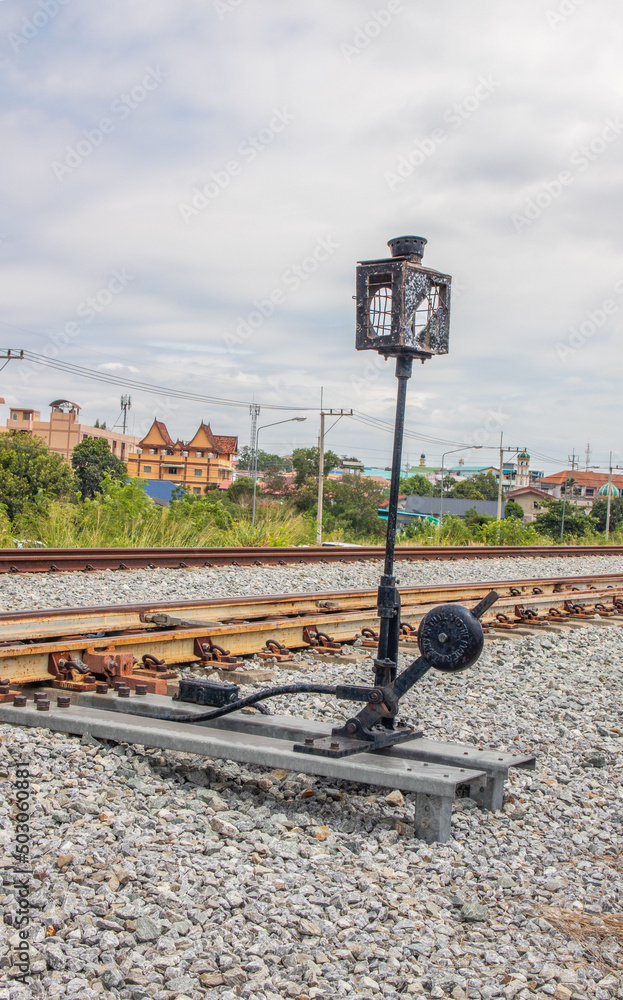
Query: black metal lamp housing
403, 308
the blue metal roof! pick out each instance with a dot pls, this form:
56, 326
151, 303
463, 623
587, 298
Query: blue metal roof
159, 489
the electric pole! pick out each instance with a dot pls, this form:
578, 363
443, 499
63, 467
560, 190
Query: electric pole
126, 403
324, 413
609, 491
254, 410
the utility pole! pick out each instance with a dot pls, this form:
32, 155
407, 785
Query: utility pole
126, 403
501, 474
324, 413
609, 491
254, 410
501, 478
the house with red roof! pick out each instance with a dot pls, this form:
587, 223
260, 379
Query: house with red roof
207, 459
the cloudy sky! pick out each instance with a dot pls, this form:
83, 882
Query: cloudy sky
171, 172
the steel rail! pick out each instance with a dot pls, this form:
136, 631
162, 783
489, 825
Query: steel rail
25, 656
50, 622
71, 560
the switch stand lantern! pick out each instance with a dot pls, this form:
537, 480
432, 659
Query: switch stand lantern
403, 311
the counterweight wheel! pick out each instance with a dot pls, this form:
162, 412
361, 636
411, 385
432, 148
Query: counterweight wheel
450, 638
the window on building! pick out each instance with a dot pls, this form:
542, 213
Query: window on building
199, 454
153, 451
198, 472
147, 468
197, 489
185, 454
25, 416
173, 470
14, 416
590, 492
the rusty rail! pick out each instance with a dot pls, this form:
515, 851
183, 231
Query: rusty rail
85, 560
141, 643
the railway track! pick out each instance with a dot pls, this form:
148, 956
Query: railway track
71, 560
143, 643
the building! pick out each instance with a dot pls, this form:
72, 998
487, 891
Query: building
63, 431
581, 488
530, 499
351, 465
514, 475
414, 508
207, 459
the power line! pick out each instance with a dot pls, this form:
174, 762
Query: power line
109, 378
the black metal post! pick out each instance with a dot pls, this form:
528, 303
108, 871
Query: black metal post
388, 603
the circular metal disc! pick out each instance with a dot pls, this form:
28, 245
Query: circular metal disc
450, 638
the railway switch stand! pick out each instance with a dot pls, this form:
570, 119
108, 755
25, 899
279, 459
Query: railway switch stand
403, 312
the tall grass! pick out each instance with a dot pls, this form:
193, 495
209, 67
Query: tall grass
125, 517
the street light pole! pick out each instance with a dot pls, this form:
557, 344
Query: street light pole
257, 434
476, 447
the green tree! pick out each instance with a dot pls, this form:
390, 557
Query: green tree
351, 505
600, 512
305, 462
265, 461
482, 486
241, 491
30, 472
576, 523
417, 486
466, 490
475, 519
91, 460
513, 509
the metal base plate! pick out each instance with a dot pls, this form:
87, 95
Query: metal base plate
344, 746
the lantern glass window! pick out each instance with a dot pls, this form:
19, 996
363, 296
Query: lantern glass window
380, 305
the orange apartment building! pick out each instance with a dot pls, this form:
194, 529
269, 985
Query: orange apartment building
206, 458
63, 431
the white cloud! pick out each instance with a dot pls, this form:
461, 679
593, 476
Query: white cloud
323, 175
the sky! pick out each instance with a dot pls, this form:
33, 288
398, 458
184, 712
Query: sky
186, 190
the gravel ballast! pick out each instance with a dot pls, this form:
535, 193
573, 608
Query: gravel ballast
59, 590
168, 876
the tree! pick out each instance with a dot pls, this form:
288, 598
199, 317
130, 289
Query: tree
241, 491
466, 490
513, 509
351, 504
91, 460
475, 519
482, 486
417, 486
576, 523
600, 512
29, 471
264, 461
306, 460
